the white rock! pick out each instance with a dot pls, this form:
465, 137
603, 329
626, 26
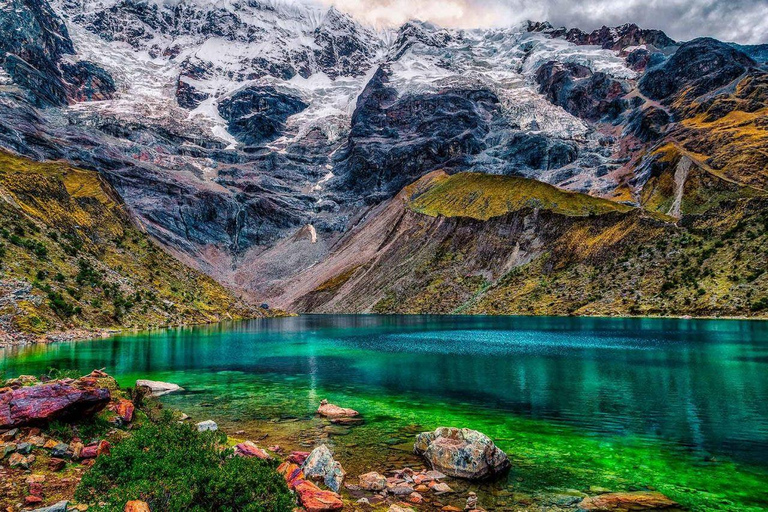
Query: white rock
158, 388
207, 425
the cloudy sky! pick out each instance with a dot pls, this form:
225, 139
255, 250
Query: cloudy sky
743, 21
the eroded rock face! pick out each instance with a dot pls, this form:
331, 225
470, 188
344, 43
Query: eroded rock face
628, 501
46, 402
461, 453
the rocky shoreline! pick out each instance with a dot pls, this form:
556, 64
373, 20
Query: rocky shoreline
40, 472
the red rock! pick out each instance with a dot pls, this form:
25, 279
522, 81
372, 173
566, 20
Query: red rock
334, 411
136, 506
298, 457
627, 501
290, 472
33, 500
56, 464
45, 402
415, 497
93, 450
314, 499
124, 409
36, 489
249, 449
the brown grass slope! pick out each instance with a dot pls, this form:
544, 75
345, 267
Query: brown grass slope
70, 257
459, 245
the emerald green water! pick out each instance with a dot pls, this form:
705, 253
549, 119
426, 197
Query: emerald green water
675, 405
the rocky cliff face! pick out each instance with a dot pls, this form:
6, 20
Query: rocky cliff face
250, 138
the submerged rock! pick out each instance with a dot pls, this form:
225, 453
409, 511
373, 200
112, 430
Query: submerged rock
334, 411
320, 465
373, 481
158, 388
628, 501
461, 453
42, 403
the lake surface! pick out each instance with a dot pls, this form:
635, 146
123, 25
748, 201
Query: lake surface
676, 405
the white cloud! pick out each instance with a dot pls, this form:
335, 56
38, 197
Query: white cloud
744, 21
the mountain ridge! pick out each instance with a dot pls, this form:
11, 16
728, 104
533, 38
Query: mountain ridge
233, 130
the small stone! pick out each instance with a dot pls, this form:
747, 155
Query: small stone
36, 489
136, 506
50, 444
471, 501
31, 501
401, 490
450, 508
56, 464
17, 460
24, 448
373, 481
207, 425
36, 441
10, 435
61, 451
363, 501
398, 508
441, 488
421, 488
76, 449
61, 506
415, 498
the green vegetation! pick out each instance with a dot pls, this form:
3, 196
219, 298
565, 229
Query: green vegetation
65, 233
174, 467
484, 196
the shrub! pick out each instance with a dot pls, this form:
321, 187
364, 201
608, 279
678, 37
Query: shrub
173, 467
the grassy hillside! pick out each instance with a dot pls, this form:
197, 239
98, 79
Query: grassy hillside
70, 257
483, 196
494, 245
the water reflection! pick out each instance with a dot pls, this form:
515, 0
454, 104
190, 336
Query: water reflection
698, 383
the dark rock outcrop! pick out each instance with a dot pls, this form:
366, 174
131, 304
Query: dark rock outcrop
85, 81
588, 95
258, 114
697, 68
394, 140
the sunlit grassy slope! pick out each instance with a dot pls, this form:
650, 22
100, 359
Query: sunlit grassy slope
484, 196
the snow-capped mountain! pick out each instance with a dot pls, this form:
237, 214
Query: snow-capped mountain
230, 126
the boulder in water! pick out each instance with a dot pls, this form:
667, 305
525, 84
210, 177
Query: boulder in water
628, 501
461, 453
334, 411
158, 388
320, 465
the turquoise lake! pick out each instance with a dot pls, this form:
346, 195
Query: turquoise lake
675, 405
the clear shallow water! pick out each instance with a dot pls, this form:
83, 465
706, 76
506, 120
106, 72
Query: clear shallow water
678, 405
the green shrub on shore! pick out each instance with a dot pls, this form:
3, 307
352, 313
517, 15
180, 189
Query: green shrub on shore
173, 467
